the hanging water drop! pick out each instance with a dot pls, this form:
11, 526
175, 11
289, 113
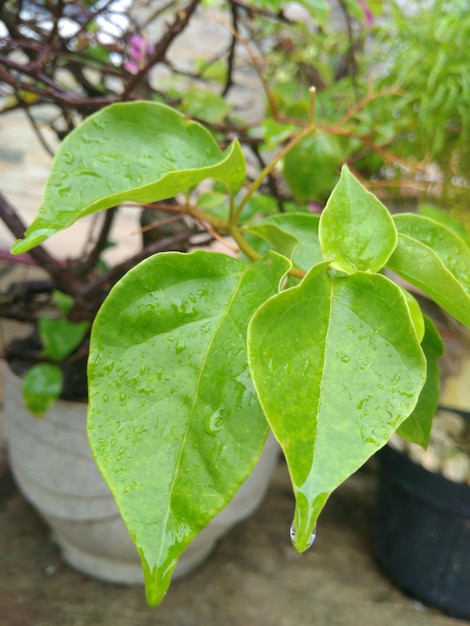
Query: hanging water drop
293, 535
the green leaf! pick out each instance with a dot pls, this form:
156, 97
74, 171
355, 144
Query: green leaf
41, 387
63, 301
417, 428
205, 105
435, 259
214, 203
356, 231
337, 366
134, 151
304, 227
274, 133
318, 8
447, 220
311, 168
282, 242
60, 337
174, 422
415, 313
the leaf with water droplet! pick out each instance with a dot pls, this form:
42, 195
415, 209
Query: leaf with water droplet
313, 397
180, 153
201, 413
436, 259
356, 231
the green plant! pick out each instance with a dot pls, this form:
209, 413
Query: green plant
420, 54
43, 382
194, 357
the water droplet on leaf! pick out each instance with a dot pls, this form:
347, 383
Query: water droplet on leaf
293, 535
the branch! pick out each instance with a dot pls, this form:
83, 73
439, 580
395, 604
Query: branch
90, 290
63, 278
173, 30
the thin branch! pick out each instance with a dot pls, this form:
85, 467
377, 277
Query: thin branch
95, 254
173, 30
63, 278
92, 288
231, 53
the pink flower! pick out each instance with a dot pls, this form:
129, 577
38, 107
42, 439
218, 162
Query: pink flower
368, 17
138, 51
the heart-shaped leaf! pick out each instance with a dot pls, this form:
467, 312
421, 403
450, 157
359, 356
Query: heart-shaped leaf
337, 366
174, 422
139, 151
434, 258
356, 231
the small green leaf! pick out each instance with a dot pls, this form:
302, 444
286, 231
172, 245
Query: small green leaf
304, 227
134, 151
417, 427
63, 301
281, 241
338, 367
356, 231
205, 105
415, 313
174, 422
41, 387
274, 133
435, 259
60, 337
311, 168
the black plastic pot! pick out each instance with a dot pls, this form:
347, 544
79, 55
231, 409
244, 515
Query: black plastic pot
422, 533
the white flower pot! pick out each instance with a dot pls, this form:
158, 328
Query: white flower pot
52, 464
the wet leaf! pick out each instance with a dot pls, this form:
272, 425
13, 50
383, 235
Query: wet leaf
139, 151
417, 427
174, 422
434, 258
356, 231
337, 366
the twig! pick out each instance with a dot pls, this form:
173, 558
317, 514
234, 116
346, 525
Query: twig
63, 278
173, 30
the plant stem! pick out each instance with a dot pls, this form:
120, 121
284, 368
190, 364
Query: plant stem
256, 184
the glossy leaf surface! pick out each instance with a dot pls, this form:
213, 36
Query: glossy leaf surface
356, 231
139, 151
337, 366
435, 259
174, 422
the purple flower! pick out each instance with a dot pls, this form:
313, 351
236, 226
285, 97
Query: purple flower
137, 51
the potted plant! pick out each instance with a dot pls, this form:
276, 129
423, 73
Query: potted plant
322, 348
421, 536
195, 357
71, 61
